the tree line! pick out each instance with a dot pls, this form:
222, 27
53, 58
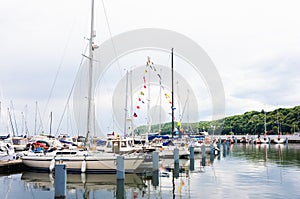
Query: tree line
281, 120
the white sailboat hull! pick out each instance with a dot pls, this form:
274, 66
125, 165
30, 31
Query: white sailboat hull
94, 163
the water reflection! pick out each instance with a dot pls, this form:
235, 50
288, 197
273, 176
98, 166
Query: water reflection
274, 153
238, 171
86, 184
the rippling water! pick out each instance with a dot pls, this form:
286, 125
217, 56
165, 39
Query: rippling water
243, 171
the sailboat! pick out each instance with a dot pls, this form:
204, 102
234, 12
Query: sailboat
279, 139
265, 139
83, 159
7, 151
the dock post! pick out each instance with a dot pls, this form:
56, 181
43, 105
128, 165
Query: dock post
176, 155
192, 152
235, 140
60, 181
286, 140
176, 163
192, 158
155, 159
120, 189
155, 178
120, 168
176, 170
203, 161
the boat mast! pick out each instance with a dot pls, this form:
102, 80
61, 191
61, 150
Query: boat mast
14, 117
125, 108
50, 127
172, 94
159, 125
131, 107
148, 108
11, 123
265, 124
35, 118
90, 75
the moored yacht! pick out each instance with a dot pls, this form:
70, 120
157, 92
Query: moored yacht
80, 161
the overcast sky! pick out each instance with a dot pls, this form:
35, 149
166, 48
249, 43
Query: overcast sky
255, 46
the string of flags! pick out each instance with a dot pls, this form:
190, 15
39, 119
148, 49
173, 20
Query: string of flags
140, 101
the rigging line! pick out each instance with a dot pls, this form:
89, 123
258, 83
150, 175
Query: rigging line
111, 37
58, 70
70, 94
184, 109
41, 127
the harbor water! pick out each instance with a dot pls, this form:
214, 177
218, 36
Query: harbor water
240, 170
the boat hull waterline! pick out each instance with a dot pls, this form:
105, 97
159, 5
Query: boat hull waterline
94, 164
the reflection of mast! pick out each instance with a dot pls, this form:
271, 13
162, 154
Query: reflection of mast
266, 158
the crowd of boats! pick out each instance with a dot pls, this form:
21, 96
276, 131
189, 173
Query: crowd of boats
42, 152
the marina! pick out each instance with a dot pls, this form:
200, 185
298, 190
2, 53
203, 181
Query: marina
145, 113
242, 169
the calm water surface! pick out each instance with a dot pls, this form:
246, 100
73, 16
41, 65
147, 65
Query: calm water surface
243, 171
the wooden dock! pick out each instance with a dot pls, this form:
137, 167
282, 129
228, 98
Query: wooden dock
11, 166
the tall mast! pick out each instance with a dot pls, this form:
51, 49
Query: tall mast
265, 124
159, 124
14, 117
35, 118
50, 127
11, 123
89, 113
172, 94
125, 108
131, 107
148, 107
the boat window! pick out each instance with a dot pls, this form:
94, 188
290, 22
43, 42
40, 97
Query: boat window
123, 144
108, 145
65, 152
16, 142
